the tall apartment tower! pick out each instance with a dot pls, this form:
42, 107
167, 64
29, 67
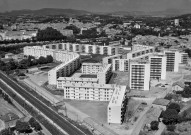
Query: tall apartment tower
173, 60
139, 75
176, 22
158, 66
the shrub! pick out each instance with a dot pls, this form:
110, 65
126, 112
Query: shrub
174, 106
154, 125
171, 127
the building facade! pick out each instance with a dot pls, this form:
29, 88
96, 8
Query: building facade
120, 65
139, 75
117, 106
158, 66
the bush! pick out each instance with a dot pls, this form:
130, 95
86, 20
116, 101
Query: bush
154, 125
171, 127
170, 116
174, 106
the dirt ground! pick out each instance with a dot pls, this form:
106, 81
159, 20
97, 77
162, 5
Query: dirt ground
6, 108
96, 110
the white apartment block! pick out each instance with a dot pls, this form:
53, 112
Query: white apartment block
63, 70
85, 48
120, 65
91, 68
184, 58
109, 59
103, 71
158, 66
67, 80
140, 51
105, 74
117, 106
173, 60
71, 61
87, 91
139, 75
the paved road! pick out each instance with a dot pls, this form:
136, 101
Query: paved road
63, 123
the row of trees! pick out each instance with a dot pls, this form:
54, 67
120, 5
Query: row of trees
23, 127
49, 34
25, 63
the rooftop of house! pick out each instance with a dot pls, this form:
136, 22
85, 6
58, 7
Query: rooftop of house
181, 84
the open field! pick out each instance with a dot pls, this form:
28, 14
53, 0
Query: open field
39, 77
120, 78
96, 110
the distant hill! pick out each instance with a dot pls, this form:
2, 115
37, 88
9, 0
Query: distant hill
47, 11
166, 13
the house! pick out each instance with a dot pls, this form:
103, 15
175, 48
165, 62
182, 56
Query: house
161, 103
9, 56
178, 86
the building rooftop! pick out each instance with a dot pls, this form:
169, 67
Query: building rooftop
181, 84
117, 97
9, 117
92, 86
77, 79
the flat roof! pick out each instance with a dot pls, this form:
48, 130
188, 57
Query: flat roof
88, 85
77, 79
117, 97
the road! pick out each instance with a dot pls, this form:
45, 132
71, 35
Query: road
60, 121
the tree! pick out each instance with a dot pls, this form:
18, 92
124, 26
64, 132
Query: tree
170, 116
22, 127
174, 106
75, 29
35, 124
171, 127
49, 59
42, 60
154, 125
49, 34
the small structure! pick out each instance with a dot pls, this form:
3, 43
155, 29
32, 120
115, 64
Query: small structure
9, 56
32, 70
161, 103
178, 86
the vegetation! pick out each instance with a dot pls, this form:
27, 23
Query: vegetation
35, 124
75, 29
23, 127
174, 106
154, 125
171, 127
170, 116
49, 34
6, 132
25, 63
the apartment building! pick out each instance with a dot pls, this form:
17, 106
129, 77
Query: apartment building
67, 80
158, 66
91, 68
105, 74
71, 61
117, 106
85, 48
140, 51
109, 59
184, 58
139, 75
103, 71
64, 70
120, 65
173, 60
87, 91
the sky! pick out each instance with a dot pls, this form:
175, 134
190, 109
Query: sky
97, 5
